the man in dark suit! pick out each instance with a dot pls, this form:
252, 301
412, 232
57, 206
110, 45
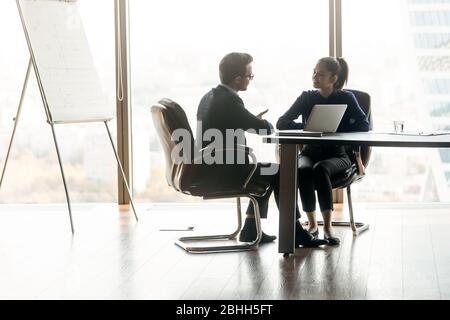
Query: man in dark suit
222, 109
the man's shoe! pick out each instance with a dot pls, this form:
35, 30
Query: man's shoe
305, 239
248, 237
248, 233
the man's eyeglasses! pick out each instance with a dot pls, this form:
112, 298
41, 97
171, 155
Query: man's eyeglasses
249, 76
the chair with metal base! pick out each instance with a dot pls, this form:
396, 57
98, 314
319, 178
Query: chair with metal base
189, 175
360, 156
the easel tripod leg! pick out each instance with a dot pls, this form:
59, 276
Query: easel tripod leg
121, 170
16, 120
63, 177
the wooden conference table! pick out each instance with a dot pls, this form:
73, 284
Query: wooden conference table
289, 159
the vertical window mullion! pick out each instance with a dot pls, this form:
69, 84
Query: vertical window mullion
123, 99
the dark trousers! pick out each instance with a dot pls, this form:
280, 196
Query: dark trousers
316, 167
274, 181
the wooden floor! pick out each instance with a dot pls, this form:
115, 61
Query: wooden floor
404, 255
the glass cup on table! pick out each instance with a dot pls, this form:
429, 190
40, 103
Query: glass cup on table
399, 126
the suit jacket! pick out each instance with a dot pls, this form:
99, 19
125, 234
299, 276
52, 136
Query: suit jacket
223, 109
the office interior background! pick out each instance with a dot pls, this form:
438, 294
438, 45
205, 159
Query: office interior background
398, 51
401, 60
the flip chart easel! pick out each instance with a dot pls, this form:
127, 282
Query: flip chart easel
67, 79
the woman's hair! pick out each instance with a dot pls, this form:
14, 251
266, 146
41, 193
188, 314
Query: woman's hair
233, 65
339, 67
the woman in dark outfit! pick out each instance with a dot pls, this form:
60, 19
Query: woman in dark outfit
318, 163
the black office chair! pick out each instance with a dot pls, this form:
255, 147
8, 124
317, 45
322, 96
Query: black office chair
187, 177
360, 156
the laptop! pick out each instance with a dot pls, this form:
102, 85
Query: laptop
324, 118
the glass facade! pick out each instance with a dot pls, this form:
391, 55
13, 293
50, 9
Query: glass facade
430, 18
445, 156
427, 1
433, 63
434, 66
402, 63
440, 109
432, 41
437, 86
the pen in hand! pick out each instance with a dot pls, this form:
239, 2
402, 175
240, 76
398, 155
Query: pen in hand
260, 115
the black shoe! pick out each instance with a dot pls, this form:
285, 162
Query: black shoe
248, 233
265, 238
250, 237
333, 241
306, 239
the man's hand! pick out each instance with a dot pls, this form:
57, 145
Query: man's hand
260, 115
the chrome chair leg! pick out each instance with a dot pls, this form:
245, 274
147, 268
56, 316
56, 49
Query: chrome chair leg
357, 227
239, 218
183, 241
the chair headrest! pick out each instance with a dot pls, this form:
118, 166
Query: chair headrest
168, 117
175, 116
364, 102
363, 99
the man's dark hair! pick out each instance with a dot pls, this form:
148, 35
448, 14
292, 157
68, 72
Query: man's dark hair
233, 65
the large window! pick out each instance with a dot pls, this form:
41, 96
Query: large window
396, 52
176, 47
33, 174
398, 55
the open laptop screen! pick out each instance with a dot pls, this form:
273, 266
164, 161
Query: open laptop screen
325, 117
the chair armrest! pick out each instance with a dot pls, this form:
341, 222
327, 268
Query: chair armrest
239, 149
358, 161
